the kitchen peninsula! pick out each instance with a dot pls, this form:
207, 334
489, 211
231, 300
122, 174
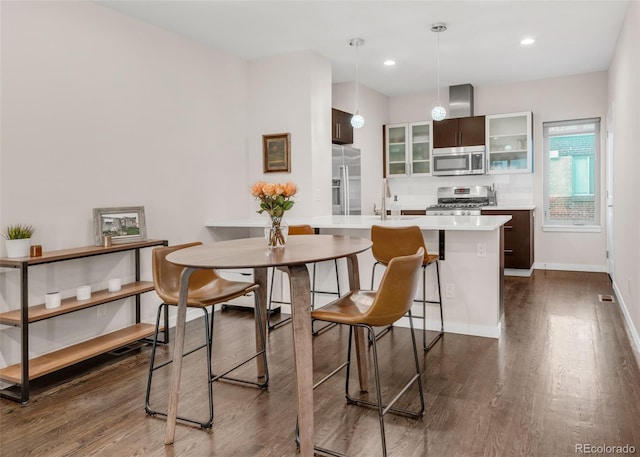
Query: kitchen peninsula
471, 265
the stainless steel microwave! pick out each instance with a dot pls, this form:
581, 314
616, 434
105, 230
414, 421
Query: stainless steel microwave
466, 160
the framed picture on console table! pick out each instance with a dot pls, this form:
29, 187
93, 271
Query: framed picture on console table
276, 151
124, 224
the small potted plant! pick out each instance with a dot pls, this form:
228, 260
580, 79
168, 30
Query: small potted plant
18, 238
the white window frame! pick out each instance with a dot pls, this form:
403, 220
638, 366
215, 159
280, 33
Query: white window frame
593, 225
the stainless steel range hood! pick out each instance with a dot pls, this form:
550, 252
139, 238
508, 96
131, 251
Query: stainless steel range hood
461, 100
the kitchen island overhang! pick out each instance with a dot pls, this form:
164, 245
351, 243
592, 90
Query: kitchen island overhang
471, 274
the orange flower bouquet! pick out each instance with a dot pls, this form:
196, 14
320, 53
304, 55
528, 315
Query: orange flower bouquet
275, 199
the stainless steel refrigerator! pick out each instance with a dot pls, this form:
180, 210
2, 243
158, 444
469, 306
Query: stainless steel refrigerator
345, 168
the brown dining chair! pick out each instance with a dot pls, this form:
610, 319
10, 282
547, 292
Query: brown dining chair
369, 309
206, 289
299, 230
390, 242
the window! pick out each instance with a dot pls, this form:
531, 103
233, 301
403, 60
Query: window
571, 174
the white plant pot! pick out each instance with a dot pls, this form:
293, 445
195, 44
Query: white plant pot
18, 248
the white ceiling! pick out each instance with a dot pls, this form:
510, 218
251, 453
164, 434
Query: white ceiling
481, 46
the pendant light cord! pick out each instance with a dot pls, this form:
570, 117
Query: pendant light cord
438, 60
357, 121
357, 78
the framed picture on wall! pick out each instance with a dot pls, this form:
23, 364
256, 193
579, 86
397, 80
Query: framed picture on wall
276, 153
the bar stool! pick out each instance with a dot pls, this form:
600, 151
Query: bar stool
367, 309
206, 288
389, 242
299, 230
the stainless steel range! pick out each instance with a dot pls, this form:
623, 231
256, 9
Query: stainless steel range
462, 201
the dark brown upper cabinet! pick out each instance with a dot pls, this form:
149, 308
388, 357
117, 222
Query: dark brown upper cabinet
462, 131
341, 129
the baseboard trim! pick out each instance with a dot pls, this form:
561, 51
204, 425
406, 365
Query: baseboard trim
632, 331
518, 272
570, 267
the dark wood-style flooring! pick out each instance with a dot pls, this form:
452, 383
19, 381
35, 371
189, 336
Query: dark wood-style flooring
562, 374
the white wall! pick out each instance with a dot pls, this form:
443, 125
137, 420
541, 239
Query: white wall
292, 93
572, 97
624, 97
374, 108
100, 110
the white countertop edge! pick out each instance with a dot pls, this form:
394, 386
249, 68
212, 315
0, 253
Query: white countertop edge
463, 223
506, 207
510, 207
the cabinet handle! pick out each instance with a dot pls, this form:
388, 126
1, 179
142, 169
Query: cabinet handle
338, 129
508, 227
508, 251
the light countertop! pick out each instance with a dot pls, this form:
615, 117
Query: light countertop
468, 223
505, 207
510, 207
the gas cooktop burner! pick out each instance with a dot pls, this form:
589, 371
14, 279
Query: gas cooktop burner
461, 201
458, 205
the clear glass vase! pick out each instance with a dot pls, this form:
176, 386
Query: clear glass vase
276, 232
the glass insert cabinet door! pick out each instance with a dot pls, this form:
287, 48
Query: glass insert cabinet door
509, 145
408, 149
396, 150
420, 134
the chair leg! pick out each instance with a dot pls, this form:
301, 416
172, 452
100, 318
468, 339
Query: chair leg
424, 307
335, 262
261, 353
389, 406
439, 296
152, 360
153, 368
378, 405
376, 371
313, 300
440, 334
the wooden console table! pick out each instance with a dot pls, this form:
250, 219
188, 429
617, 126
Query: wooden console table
28, 369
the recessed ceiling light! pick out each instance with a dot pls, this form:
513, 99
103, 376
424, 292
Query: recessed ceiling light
527, 41
389, 62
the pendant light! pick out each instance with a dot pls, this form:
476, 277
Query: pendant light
438, 113
357, 121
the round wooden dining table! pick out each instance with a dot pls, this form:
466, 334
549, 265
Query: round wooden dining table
292, 259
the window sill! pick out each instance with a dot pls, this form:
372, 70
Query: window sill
572, 228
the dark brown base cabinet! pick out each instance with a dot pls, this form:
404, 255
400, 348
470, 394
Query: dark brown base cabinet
518, 237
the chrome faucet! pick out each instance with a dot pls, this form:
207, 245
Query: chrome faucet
386, 192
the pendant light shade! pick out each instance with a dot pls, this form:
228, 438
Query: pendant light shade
438, 113
357, 121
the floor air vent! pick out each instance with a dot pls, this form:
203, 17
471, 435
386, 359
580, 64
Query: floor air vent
607, 298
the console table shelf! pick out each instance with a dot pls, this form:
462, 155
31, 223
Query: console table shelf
27, 369
69, 305
53, 361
